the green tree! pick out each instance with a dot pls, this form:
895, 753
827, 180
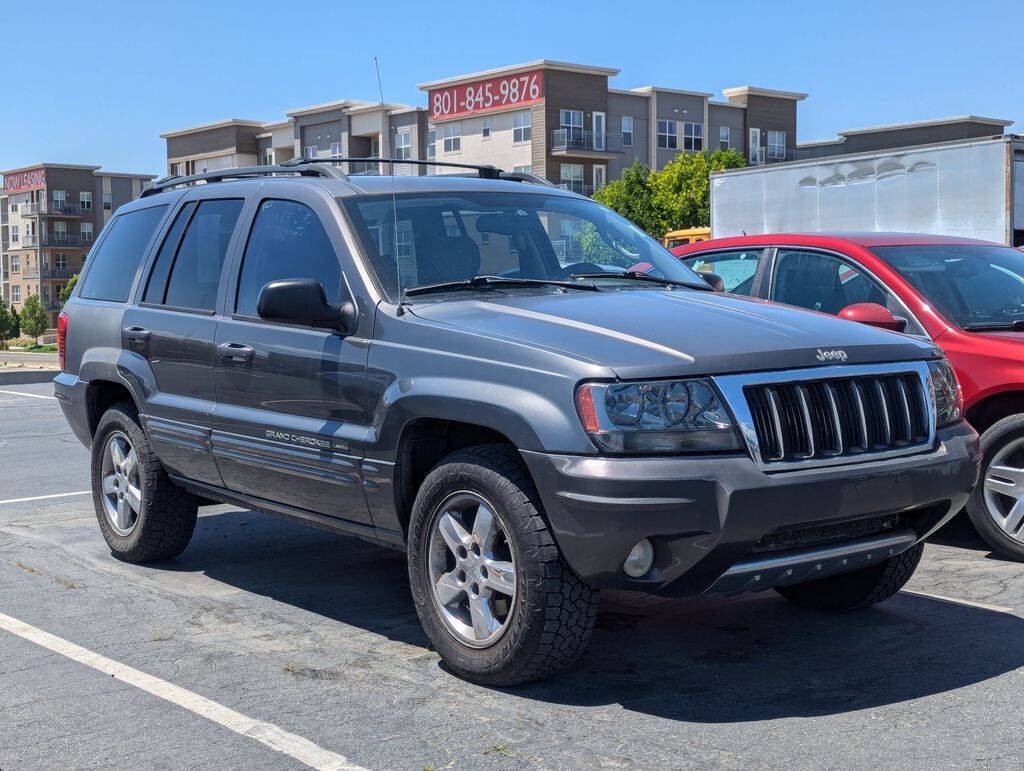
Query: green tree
15, 324
632, 196
34, 318
6, 324
682, 190
66, 290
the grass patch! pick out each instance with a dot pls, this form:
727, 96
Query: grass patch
66, 582
47, 348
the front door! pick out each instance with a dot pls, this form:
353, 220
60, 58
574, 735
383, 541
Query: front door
599, 140
291, 420
754, 146
600, 176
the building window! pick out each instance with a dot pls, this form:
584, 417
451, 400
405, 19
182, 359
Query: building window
572, 177
668, 135
267, 156
431, 144
627, 130
572, 123
60, 230
777, 145
335, 149
108, 202
14, 239
485, 129
723, 138
403, 145
693, 136
86, 229
522, 126
13, 207
60, 261
523, 169
60, 198
15, 263
452, 133
311, 151
85, 200
15, 293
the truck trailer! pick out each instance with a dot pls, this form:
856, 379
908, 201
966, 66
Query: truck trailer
972, 188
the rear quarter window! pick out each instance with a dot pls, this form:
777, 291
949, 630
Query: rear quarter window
113, 266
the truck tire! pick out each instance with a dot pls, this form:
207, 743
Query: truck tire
996, 507
494, 595
858, 588
143, 515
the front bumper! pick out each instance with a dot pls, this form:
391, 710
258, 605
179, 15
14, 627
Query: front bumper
705, 514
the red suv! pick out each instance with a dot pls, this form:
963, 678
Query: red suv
965, 295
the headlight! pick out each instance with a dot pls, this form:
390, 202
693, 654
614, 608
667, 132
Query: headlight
663, 416
945, 393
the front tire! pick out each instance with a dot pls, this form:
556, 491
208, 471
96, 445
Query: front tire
143, 515
858, 588
493, 593
996, 507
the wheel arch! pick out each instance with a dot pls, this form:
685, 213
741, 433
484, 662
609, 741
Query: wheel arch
984, 413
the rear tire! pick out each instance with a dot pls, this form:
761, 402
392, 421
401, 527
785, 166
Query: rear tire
990, 506
859, 588
143, 515
541, 619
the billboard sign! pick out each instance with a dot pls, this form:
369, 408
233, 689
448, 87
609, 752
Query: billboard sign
20, 181
487, 95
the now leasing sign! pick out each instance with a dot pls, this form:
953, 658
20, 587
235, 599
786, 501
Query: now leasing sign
20, 181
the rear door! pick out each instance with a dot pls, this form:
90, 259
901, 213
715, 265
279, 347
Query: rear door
173, 327
291, 417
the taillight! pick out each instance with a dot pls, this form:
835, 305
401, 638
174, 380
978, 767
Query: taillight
62, 338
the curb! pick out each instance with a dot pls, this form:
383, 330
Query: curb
27, 376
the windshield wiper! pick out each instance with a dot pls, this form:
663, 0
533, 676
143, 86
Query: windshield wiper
484, 282
634, 274
996, 326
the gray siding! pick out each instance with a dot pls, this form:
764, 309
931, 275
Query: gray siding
773, 114
636, 106
242, 138
681, 108
918, 135
727, 115
321, 130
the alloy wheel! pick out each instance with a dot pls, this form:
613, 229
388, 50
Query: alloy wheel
1004, 489
471, 569
122, 490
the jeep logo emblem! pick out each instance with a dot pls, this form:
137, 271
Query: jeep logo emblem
836, 354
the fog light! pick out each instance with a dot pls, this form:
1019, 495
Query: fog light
640, 559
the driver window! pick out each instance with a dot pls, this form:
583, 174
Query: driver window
287, 240
736, 269
823, 282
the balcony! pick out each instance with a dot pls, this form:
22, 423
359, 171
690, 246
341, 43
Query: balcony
28, 241
362, 167
53, 209
759, 156
62, 239
585, 144
576, 187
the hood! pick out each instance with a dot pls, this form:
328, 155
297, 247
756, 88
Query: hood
659, 333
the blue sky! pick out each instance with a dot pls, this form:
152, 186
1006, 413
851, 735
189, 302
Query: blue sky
97, 82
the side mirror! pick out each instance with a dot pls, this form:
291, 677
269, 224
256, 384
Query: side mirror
303, 301
874, 315
713, 279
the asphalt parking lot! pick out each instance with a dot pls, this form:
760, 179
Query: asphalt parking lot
270, 644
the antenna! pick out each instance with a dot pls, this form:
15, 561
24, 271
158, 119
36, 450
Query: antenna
394, 195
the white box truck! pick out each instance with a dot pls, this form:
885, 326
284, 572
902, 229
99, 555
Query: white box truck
972, 188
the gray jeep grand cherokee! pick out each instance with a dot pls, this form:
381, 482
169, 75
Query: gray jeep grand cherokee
509, 382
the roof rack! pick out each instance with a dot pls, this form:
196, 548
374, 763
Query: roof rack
484, 171
306, 170
324, 167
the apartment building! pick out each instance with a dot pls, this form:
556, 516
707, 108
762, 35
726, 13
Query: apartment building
563, 122
50, 214
346, 127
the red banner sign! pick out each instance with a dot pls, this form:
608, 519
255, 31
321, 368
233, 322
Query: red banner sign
24, 180
487, 95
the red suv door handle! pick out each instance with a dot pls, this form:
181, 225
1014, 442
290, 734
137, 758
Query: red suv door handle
235, 352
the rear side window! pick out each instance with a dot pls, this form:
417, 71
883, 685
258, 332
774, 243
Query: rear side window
195, 265
114, 264
157, 286
287, 241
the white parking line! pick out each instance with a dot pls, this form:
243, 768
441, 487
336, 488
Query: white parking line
22, 393
44, 497
268, 734
957, 601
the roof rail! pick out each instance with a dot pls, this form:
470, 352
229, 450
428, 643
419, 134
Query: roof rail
312, 169
484, 171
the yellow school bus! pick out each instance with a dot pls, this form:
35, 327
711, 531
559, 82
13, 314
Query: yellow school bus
686, 236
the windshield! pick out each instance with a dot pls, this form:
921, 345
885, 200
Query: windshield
971, 285
445, 237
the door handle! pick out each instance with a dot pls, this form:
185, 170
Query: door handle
138, 334
235, 352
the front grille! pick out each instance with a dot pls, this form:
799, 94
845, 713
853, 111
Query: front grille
803, 536
838, 417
